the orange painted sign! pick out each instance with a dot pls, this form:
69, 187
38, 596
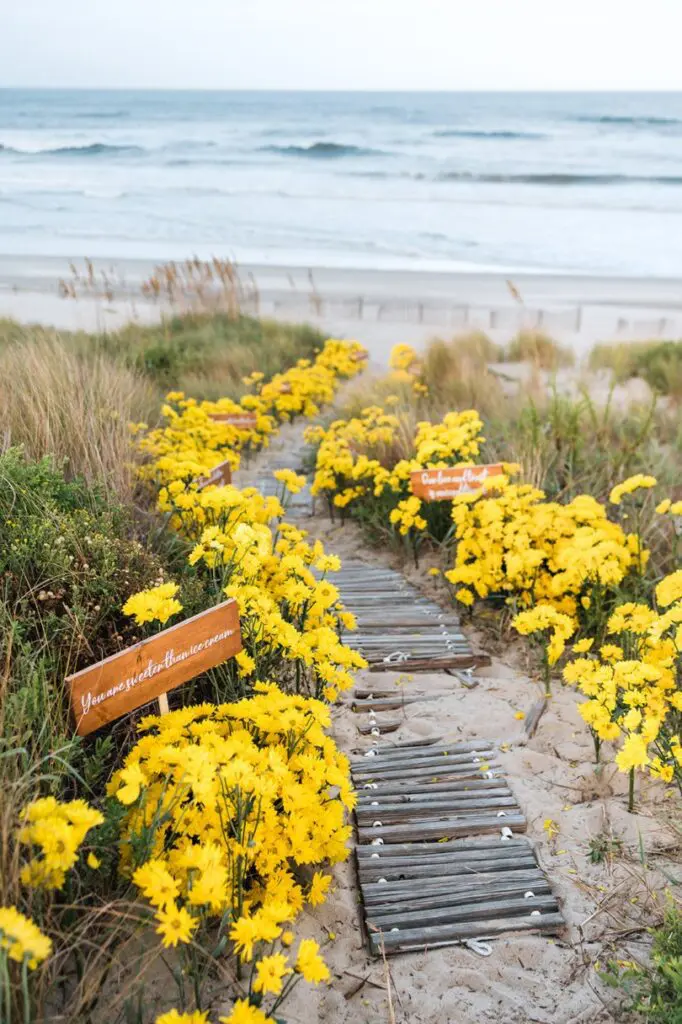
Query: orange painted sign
220, 475
443, 484
139, 674
243, 420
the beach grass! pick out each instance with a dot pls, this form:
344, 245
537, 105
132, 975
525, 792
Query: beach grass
75, 408
73, 395
538, 348
659, 363
205, 354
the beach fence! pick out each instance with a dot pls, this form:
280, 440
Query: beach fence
597, 319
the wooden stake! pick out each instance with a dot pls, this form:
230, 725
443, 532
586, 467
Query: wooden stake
163, 704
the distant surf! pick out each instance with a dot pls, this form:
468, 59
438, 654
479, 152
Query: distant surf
323, 150
92, 149
590, 182
472, 133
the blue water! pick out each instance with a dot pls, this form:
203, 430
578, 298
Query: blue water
551, 182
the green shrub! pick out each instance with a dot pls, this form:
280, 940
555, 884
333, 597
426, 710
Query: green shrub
661, 367
659, 363
655, 991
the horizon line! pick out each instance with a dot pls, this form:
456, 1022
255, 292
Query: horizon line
582, 90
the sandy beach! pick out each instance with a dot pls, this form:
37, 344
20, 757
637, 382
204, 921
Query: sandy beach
380, 307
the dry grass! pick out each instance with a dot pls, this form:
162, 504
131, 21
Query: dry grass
457, 373
535, 347
76, 408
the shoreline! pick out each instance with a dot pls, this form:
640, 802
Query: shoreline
380, 307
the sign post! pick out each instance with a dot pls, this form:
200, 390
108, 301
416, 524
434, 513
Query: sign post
220, 475
242, 420
445, 484
148, 670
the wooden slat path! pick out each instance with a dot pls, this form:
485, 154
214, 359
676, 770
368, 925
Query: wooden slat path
298, 506
440, 856
399, 628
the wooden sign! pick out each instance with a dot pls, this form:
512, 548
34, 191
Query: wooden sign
242, 420
137, 675
441, 484
220, 475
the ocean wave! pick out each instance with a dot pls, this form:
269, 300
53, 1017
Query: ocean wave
473, 133
322, 150
101, 115
642, 121
560, 179
92, 149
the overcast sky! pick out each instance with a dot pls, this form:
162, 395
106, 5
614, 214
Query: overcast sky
351, 44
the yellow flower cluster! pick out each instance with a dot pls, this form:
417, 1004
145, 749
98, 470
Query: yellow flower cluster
21, 940
232, 803
356, 459
57, 830
567, 564
535, 551
291, 620
629, 486
157, 604
184, 451
293, 482
403, 357
543, 618
631, 682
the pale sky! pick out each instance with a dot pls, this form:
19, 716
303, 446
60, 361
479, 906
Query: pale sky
352, 44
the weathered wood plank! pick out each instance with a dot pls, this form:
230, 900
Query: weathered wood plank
455, 785
452, 868
439, 935
380, 892
418, 889
372, 765
470, 860
483, 846
381, 912
396, 812
369, 796
437, 774
429, 665
396, 754
467, 825
388, 725
390, 703
464, 910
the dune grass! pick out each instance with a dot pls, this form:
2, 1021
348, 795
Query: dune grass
538, 348
659, 363
205, 354
72, 396
76, 409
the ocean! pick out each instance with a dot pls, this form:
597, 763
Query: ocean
548, 182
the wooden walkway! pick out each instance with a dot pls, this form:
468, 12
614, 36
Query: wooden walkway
441, 856
398, 627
